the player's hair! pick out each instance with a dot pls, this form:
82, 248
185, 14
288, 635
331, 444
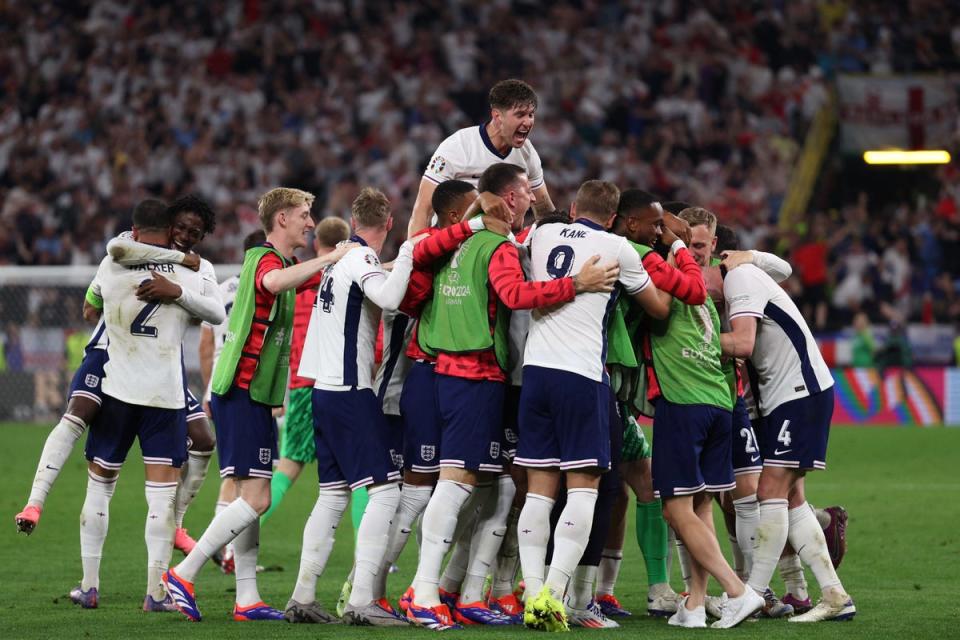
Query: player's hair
332, 230
279, 199
446, 195
371, 208
151, 214
697, 216
727, 239
597, 198
634, 200
497, 177
507, 94
194, 204
253, 239
676, 206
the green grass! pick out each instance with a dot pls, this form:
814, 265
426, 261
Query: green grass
899, 485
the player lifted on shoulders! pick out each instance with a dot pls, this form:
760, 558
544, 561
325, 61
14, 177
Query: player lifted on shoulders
249, 380
467, 153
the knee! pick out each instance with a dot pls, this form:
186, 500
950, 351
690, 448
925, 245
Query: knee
201, 436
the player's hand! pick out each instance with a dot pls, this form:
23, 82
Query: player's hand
191, 261
158, 289
733, 259
341, 251
493, 205
679, 227
667, 236
496, 225
278, 412
596, 277
90, 313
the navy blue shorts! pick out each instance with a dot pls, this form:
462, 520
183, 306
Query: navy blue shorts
691, 449
352, 438
89, 375
246, 435
795, 434
564, 420
421, 420
395, 440
162, 434
746, 451
472, 416
511, 422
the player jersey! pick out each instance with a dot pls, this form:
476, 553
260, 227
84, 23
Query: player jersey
228, 291
303, 309
144, 338
785, 356
394, 365
338, 352
573, 337
468, 152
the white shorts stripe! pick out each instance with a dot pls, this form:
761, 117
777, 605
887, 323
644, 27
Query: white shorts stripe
580, 464
361, 483
747, 470
226, 471
200, 415
152, 460
717, 488
339, 484
107, 465
259, 473
537, 462
88, 395
419, 469
788, 464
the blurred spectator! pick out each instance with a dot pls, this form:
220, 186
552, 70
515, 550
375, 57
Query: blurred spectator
864, 345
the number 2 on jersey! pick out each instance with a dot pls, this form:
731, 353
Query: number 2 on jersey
749, 439
139, 326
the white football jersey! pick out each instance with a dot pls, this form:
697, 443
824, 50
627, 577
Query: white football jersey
339, 348
144, 339
785, 355
394, 364
228, 292
468, 152
573, 336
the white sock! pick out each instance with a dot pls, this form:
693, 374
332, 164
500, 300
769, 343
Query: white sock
158, 533
791, 572
771, 535
451, 580
487, 538
372, 537
318, 537
194, 473
737, 553
608, 571
684, 556
508, 560
246, 549
94, 521
55, 452
671, 545
581, 586
570, 538
438, 528
413, 500
748, 517
823, 518
224, 528
220, 506
806, 537
533, 534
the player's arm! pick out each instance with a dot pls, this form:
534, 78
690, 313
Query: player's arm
739, 342
283, 279
127, 251
746, 299
773, 265
506, 277
206, 350
638, 284
387, 291
684, 282
444, 242
92, 303
543, 204
422, 207
419, 290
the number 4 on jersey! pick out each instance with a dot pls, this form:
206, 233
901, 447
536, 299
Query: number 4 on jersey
784, 436
325, 295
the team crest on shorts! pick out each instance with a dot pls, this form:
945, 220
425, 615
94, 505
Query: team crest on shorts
494, 449
265, 456
427, 451
91, 380
396, 458
510, 435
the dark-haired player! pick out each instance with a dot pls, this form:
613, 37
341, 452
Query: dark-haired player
468, 152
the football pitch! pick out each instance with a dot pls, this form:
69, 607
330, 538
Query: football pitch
900, 487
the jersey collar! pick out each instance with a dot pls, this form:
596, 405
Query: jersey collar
589, 223
358, 240
489, 144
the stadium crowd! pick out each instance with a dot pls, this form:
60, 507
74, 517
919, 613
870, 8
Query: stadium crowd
105, 102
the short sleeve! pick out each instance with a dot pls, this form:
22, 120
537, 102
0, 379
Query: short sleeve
534, 168
745, 292
268, 262
447, 161
633, 276
363, 264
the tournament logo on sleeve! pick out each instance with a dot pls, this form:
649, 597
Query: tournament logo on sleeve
438, 164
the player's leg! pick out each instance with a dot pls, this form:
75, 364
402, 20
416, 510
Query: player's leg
471, 412
226, 495
296, 447
747, 464
200, 445
85, 399
163, 442
612, 556
487, 536
501, 596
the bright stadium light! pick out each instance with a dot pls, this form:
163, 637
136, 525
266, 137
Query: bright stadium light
897, 156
